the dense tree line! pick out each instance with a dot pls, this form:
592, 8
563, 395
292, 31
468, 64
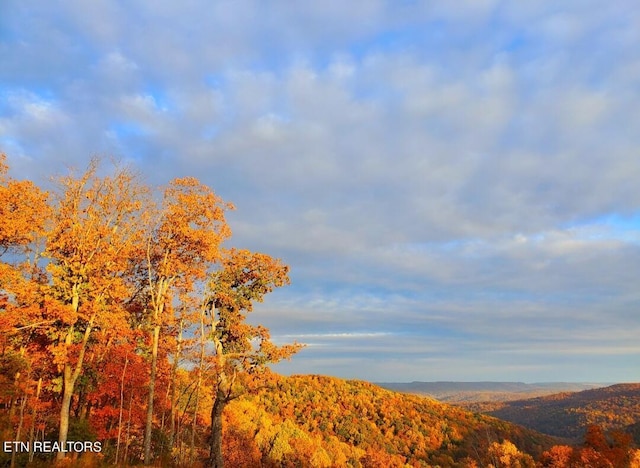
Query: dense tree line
324, 421
122, 319
319, 421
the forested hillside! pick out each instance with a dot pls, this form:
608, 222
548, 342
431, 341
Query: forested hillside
324, 421
569, 414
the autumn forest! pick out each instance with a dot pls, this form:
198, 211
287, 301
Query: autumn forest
125, 341
123, 319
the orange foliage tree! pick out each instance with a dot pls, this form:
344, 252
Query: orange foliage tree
90, 247
613, 449
182, 244
241, 350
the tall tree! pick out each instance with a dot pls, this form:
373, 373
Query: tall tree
180, 248
242, 351
23, 215
95, 227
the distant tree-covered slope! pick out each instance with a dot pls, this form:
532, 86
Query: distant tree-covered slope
568, 414
470, 392
354, 423
634, 430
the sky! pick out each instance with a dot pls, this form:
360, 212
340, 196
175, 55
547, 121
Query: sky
455, 185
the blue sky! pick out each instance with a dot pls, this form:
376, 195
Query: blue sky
454, 184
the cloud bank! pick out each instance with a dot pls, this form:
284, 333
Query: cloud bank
454, 184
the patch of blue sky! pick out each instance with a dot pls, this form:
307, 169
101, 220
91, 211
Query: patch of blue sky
216, 81
126, 130
9, 31
417, 38
5, 107
46, 93
616, 226
9, 145
621, 222
515, 43
12, 98
160, 97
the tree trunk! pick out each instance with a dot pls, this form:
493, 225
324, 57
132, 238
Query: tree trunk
69, 378
223, 390
23, 403
80, 406
158, 297
152, 386
85, 411
216, 460
199, 383
126, 445
172, 397
67, 394
124, 373
194, 421
67, 381
33, 420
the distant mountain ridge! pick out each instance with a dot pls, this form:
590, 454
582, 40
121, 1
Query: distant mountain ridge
466, 392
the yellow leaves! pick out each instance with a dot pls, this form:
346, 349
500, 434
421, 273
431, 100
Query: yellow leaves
61, 313
507, 455
281, 442
23, 211
95, 226
62, 354
193, 219
273, 353
245, 277
183, 237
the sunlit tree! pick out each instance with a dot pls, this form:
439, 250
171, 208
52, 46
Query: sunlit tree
183, 243
241, 350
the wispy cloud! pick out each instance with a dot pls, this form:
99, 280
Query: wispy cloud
348, 335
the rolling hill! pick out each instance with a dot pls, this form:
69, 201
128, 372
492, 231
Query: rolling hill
568, 414
355, 423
